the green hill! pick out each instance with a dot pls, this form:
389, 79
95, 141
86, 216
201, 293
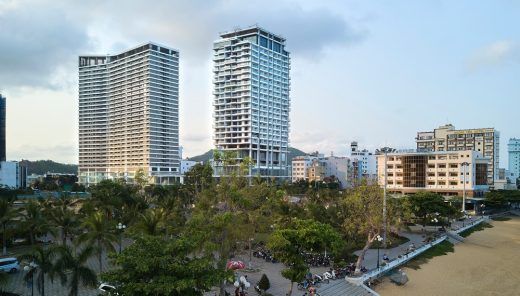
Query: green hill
41, 167
293, 152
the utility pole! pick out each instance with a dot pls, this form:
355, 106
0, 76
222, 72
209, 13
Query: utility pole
384, 205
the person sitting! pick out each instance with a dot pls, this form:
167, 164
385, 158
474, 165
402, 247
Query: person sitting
385, 258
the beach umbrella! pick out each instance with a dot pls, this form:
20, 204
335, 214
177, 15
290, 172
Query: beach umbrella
235, 265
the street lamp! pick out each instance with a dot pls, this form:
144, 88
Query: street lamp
121, 227
30, 271
379, 239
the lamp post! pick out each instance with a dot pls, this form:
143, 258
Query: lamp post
120, 227
30, 270
379, 239
384, 203
464, 165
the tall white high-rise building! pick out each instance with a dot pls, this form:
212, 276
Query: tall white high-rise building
129, 115
251, 99
513, 148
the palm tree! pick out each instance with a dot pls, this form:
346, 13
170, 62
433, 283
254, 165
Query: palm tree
43, 261
152, 222
7, 214
65, 219
34, 220
74, 264
98, 233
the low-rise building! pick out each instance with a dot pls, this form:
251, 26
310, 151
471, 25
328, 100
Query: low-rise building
446, 172
186, 165
363, 163
316, 167
12, 174
300, 165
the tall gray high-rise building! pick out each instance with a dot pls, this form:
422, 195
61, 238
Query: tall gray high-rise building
2, 127
251, 99
129, 115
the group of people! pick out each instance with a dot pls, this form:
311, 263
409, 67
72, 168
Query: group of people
241, 288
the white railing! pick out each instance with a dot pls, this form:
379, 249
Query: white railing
467, 226
377, 272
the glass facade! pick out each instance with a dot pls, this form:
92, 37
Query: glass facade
414, 170
2, 127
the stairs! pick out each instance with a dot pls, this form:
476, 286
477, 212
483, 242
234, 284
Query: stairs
454, 237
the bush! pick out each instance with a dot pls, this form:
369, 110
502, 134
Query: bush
264, 284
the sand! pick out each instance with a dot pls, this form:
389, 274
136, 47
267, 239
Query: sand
487, 263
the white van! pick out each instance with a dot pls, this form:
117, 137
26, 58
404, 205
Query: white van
9, 264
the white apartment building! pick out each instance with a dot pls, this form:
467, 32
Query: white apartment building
339, 168
439, 172
129, 115
447, 138
317, 168
251, 99
513, 149
363, 163
12, 174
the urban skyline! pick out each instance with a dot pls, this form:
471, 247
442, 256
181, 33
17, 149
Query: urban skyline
370, 90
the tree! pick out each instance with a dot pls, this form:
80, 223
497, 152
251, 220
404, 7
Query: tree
43, 260
363, 210
153, 266
495, 199
200, 176
289, 244
7, 214
62, 215
34, 220
152, 222
74, 266
264, 283
99, 233
426, 205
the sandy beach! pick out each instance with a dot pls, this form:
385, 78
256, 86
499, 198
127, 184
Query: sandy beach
487, 263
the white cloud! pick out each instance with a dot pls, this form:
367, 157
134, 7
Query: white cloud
497, 53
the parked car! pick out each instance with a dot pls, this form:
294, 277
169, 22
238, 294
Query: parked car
9, 264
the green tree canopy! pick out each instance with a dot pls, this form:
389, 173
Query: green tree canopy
288, 244
152, 266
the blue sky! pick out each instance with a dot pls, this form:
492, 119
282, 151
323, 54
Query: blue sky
372, 71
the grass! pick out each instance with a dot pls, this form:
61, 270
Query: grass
501, 218
478, 227
438, 250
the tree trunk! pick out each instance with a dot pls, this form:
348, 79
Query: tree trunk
290, 289
362, 256
4, 241
63, 236
43, 283
31, 234
100, 257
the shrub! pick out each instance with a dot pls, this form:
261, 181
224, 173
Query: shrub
264, 284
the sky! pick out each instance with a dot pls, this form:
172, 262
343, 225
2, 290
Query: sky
376, 72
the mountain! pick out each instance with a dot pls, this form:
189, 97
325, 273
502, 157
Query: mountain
293, 152
41, 167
